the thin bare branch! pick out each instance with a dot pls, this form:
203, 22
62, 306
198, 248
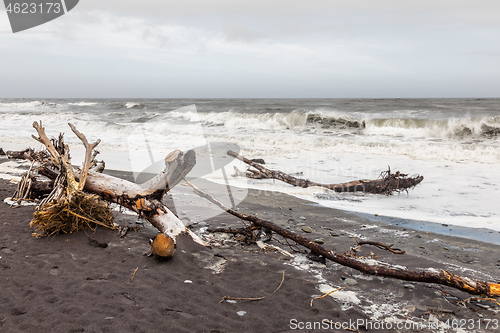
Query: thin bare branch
89, 155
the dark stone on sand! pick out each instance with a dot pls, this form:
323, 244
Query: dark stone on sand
17, 311
258, 160
94, 242
316, 257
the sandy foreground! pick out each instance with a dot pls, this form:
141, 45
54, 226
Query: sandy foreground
65, 284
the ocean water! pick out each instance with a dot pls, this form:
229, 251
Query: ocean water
453, 143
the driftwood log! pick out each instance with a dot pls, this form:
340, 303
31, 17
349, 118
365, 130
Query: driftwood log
26, 154
144, 199
439, 277
388, 183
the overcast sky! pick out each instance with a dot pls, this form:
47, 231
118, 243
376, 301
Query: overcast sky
273, 48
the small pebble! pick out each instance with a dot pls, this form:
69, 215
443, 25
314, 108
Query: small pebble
232, 301
188, 281
409, 286
409, 308
334, 234
202, 224
241, 313
307, 229
303, 218
351, 281
319, 240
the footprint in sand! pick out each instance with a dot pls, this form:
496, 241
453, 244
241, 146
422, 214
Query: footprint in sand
54, 271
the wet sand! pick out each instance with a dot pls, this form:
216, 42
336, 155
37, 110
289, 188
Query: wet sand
64, 284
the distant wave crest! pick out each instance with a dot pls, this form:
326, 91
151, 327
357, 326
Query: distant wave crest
453, 128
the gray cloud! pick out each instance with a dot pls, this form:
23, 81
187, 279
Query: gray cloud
221, 48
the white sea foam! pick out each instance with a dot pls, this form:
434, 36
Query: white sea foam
83, 103
130, 105
235, 120
454, 152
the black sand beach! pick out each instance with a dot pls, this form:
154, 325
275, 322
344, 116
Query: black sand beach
64, 284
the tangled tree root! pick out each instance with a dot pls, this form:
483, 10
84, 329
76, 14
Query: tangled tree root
69, 214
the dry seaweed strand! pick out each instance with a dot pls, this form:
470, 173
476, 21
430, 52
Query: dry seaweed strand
479, 299
323, 296
133, 275
225, 298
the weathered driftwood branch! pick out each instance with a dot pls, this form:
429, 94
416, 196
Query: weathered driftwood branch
26, 154
90, 154
141, 199
389, 182
63, 161
145, 199
439, 277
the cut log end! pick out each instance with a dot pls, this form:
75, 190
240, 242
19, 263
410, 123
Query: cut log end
494, 289
163, 246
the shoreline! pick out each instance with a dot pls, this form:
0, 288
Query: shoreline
484, 235
477, 234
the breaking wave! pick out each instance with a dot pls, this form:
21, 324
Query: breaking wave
453, 128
